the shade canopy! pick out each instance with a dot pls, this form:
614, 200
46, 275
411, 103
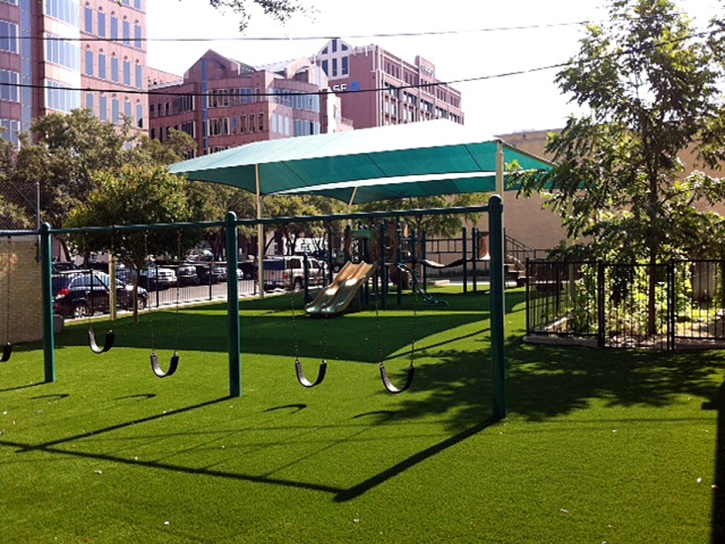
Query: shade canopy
392, 162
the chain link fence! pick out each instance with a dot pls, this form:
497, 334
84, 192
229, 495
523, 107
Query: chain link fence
18, 204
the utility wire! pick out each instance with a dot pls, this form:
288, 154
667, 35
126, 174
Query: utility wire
422, 86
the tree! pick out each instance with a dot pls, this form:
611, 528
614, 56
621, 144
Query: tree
136, 195
281, 10
649, 83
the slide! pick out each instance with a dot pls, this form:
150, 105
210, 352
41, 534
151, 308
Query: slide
336, 297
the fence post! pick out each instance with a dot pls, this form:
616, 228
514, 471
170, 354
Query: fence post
464, 238
671, 304
235, 348
46, 272
474, 257
600, 305
498, 308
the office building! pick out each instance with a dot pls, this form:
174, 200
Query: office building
225, 103
59, 55
377, 88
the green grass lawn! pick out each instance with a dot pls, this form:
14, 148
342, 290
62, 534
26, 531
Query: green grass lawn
600, 446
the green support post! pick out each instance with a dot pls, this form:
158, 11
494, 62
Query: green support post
498, 308
46, 273
235, 347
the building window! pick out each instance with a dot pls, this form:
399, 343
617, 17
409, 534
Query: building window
88, 19
334, 67
12, 130
101, 66
261, 122
137, 36
137, 4
334, 46
103, 108
9, 85
89, 62
139, 75
345, 66
126, 72
8, 37
127, 108
243, 123
114, 27
89, 101
101, 24
139, 115
114, 69
126, 32
115, 113
325, 67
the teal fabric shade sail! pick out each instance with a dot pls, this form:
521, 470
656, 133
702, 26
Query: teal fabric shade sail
392, 162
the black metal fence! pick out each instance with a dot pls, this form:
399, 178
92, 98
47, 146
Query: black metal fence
667, 306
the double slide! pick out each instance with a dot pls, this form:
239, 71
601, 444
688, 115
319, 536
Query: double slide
336, 297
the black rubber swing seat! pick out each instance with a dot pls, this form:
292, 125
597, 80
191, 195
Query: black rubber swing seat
7, 352
107, 343
321, 373
157, 367
389, 385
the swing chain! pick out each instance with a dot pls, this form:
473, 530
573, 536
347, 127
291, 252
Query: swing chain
294, 328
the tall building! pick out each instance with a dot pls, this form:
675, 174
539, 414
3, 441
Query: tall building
224, 103
378, 88
51, 49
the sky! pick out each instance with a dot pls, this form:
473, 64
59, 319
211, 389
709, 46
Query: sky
473, 45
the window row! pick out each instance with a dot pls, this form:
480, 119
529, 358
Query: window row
61, 97
331, 67
225, 126
117, 32
11, 131
297, 101
134, 112
180, 104
67, 11
221, 98
164, 132
121, 72
62, 52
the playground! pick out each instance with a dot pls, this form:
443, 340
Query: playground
221, 440
599, 446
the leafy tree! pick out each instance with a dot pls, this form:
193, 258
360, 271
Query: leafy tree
649, 84
137, 195
281, 10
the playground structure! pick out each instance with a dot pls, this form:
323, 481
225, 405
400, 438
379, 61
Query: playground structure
495, 213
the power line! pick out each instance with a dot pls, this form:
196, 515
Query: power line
421, 86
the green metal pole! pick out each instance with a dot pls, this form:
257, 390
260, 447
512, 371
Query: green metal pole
498, 308
46, 273
235, 347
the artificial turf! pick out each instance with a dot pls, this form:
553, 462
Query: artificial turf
600, 446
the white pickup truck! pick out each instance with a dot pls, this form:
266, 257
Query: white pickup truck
288, 272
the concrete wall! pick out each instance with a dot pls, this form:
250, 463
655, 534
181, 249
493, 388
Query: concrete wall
20, 312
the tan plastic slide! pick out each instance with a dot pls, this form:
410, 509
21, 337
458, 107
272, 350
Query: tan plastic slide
336, 297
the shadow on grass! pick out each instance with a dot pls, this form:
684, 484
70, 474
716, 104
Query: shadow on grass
718, 502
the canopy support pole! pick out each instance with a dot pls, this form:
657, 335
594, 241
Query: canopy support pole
352, 200
498, 307
500, 189
260, 234
235, 347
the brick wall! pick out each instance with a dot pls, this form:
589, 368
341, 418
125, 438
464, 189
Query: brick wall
21, 317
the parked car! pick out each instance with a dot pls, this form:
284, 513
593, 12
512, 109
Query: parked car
186, 274
153, 277
211, 272
80, 293
289, 272
248, 270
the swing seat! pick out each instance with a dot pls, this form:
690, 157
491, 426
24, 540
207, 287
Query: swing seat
389, 385
7, 352
321, 373
107, 344
156, 367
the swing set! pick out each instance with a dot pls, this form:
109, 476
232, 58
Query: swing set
495, 213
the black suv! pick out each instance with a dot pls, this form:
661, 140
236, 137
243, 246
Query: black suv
80, 293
